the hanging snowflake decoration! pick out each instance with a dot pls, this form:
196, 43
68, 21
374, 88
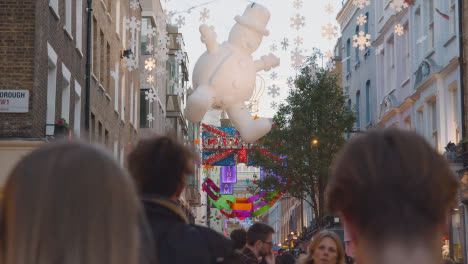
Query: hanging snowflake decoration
399, 30
131, 42
398, 5
180, 21
362, 40
150, 95
290, 82
167, 15
113, 75
204, 14
297, 59
273, 90
273, 76
379, 49
329, 9
134, 5
297, 22
150, 31
421, 40
330, 65
150, 63
130, 63
298, 41
162, 53
150, 79
329, 54
171, 82
273, 48
180, 40
361, 19
133, 24
161, 71
150, 117
149, 48
178, 89
285, 44
297, 4
164, 40
180, 56
329, 31
361, 3
274, 105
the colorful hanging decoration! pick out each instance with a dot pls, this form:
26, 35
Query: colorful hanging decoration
228, 174
240, 208
223, 146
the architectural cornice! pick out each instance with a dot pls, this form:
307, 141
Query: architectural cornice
346, 13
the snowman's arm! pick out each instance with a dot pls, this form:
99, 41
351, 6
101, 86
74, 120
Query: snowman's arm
267, 62
208, 36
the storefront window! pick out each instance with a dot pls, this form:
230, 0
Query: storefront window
456, 237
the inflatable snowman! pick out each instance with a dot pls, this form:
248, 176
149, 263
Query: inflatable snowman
224, 76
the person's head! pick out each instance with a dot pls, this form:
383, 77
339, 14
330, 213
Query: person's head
160, 166
260, 239
279, 259
239, 237
69, 203
393, 179
324, 248
447, 261
288, 258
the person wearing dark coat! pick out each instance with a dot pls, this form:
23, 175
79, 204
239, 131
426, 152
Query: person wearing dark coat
160, 167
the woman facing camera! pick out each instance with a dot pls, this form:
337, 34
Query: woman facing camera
69, 203
325, 248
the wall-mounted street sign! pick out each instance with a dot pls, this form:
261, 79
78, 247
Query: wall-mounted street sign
14, 101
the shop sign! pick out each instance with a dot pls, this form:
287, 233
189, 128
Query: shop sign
14, 101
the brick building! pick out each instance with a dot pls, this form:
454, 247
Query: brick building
42, 46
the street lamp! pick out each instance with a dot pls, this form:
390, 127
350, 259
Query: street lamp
314, 142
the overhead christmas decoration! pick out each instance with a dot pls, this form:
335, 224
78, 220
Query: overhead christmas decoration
399, 30
398, 5
224, 76
362, 40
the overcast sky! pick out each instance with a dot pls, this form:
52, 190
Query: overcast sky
221, 16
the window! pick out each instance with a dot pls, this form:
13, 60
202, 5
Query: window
107, 72
131, 102
418, 33
145, 107
95, 48
116, 150
68, 17
433, 122
116, 87
390, 66
66, 93
79, 24
51, 90
106, 137
454, 113
117, 17
358, 110
102, 60
407, 54
77, 116
368, 118
53, 4
453, 21
99, 135
420, 121
93, 127
431, 24
135, 111
408, 123
348, 55
366, 26
357, 48
122, 104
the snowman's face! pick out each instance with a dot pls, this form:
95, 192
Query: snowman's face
245, 38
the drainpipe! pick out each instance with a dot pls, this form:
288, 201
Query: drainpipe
89, 11
462, 61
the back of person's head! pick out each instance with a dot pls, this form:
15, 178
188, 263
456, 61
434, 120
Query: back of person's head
279, 259
239, 237
69, 203
288, 258
159, 166
447, 261
394, 179
259, 232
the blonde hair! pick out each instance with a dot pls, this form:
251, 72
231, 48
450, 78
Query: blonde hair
69, 203
314, 243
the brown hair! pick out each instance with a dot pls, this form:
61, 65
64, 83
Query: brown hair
391, 183
159, 165
314, 243
258, 231
69, 203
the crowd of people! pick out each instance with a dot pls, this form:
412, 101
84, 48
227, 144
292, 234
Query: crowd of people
71, 203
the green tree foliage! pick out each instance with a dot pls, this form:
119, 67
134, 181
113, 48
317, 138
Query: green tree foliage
308, 131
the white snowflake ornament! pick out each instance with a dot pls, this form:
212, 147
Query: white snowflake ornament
150, 95
329, 31
133, 24
298, 41
150, 117
285, 44
297, 4
150, 63
361, 3
162, 53
180, 56
150, 79
161, 71
204, 14
164, 40
180, 21
297, 59
274, 105
150, 31
113, 75
298, 21
273, 48
379, 49
273, 76
361, 20
330, 65
398, 5
149, 48
329, 9
399, 30
180, 40
362, 40
329, 54
273, 90
130, 63
134, 4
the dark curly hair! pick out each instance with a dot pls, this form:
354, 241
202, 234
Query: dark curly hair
239, 237
159, 165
